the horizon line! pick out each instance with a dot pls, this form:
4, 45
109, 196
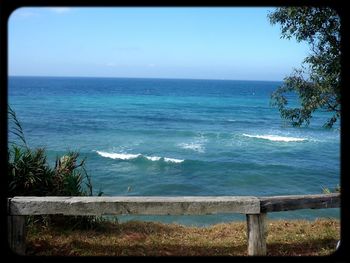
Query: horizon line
110, 77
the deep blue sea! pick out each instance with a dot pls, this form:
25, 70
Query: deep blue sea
176, 137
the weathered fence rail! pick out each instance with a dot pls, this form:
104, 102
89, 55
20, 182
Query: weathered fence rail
255, 209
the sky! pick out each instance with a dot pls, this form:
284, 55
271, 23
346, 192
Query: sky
191, 43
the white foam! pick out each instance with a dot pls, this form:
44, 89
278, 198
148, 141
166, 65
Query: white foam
276, 138
126, 156
198, 147
172, 160
153, 158
121, 156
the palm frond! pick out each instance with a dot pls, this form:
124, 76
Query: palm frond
16, 127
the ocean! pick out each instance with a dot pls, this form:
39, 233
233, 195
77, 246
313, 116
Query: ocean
180, 137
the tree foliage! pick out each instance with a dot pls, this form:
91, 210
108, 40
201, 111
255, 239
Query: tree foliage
317, 83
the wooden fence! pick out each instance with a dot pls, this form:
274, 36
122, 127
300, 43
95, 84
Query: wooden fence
255, 209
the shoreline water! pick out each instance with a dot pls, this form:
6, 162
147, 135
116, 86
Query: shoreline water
178, 137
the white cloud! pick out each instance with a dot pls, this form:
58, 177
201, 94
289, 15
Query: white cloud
60, 10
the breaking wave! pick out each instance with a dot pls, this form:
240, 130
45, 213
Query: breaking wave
276, 138
128, 156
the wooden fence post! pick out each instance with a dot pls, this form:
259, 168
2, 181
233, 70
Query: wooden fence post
16, 230
257, 233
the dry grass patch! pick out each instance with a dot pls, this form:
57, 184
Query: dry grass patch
285, 238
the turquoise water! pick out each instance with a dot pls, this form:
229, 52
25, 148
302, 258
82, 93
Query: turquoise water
176, 137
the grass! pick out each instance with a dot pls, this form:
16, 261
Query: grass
134, 238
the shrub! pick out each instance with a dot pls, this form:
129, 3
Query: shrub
29, 174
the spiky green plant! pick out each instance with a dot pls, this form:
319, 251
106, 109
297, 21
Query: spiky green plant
15, 128
29, 174
70, 176
326, 190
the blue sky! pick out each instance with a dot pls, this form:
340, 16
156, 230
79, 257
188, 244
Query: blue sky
200, 43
